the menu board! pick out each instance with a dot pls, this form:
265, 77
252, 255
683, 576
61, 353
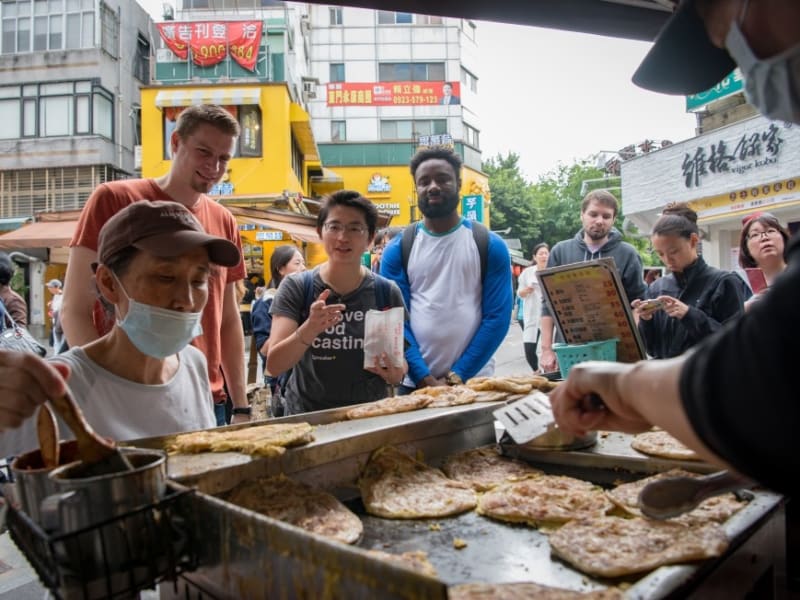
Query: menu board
589, 304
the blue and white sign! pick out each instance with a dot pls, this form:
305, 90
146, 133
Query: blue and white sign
472, 208
269, 236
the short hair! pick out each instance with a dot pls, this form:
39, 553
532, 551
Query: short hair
436, 153
206, 114
279, 259
746, 260
677, 219
6, 269
119, 262
351, 199
603, 198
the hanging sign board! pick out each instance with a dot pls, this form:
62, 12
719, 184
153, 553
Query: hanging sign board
589, 304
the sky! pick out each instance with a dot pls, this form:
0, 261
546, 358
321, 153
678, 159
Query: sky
555, 97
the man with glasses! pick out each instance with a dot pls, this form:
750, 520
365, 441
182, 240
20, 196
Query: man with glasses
318, 316
458, 316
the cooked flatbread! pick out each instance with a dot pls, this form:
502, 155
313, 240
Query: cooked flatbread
485, 468
416, 560
544, 499
500, 384
611, 546
526, 591
298, 504
660, 443
389, 406
259, 440
717, 509
396, 486
457, 396
433, 390
490, 396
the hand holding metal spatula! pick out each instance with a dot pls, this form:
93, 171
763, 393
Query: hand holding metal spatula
532, 416
100, 455
673, 496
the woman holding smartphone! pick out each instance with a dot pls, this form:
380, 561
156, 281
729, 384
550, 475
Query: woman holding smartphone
695, 299
762, 251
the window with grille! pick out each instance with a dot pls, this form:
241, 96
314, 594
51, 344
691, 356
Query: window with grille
141, 62
408, 129
414, 71
41, 25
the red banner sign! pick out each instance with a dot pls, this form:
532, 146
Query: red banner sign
211, 41
394, 93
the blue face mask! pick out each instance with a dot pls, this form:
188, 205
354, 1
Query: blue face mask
158, 332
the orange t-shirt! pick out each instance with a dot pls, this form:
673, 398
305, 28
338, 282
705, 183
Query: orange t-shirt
109, 198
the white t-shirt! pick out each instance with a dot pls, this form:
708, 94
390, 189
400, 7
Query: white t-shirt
446, 297
531, 305
125, 410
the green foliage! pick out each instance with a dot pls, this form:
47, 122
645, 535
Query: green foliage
548, 210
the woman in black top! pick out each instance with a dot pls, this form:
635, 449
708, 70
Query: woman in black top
694, 300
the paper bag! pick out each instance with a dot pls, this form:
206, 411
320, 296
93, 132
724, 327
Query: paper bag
383, 332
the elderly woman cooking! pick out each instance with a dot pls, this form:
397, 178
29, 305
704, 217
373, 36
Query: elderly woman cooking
143, 378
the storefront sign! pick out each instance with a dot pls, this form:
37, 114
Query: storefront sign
223, 188
444, 139
379, 184
757, 197
472, 208
269, 236
210, 42
748, 152
728, 86
390, 208
393, 93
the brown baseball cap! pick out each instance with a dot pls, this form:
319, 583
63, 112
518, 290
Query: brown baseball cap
165, 229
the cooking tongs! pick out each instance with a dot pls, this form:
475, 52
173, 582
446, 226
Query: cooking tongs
673, 496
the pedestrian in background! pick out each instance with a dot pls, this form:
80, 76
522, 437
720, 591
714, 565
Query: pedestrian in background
763, 245
14, 304
530, 293
57, 340
695, 299
597, 239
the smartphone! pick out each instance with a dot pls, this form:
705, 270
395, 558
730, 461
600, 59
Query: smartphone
758, 282
651, 305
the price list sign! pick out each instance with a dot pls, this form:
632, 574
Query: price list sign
589, 304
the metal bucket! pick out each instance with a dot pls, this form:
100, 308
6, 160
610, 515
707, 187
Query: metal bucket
33, 483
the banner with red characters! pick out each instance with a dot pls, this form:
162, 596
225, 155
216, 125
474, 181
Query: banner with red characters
211, 41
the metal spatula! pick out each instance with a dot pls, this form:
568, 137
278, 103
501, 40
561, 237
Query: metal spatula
101, 456
527, 418
532, 416
667, 498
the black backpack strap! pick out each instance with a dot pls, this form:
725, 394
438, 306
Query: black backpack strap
383, 292
308, 295
409, 233
481, 236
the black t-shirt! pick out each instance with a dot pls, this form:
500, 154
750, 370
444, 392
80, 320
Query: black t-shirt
740, 391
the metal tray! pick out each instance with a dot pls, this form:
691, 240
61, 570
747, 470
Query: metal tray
250, 555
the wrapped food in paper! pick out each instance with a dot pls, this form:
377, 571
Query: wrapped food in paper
383, 333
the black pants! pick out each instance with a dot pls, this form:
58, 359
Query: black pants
530, 355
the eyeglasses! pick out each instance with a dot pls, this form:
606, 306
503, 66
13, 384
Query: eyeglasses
337, 228
757, 235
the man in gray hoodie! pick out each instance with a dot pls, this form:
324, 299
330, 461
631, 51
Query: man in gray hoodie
597, 239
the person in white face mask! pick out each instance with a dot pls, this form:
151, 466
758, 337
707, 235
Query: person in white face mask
141, 379
733, 398
706, 39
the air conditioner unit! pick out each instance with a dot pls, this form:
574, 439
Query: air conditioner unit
305, 23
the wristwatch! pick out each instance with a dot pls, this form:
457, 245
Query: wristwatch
241, 410
453, 378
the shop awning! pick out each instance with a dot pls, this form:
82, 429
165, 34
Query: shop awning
300, 233
225, 96
51, 234
12, 223
301, 130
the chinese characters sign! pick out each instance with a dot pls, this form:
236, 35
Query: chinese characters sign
750, 151
472, 208
730, 85
393, 93
211, 41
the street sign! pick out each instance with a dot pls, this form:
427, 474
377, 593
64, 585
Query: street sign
472, 207
730, 85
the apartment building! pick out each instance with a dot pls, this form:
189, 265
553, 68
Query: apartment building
389, 83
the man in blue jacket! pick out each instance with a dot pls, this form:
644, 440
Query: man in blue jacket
459, 311
597, 239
